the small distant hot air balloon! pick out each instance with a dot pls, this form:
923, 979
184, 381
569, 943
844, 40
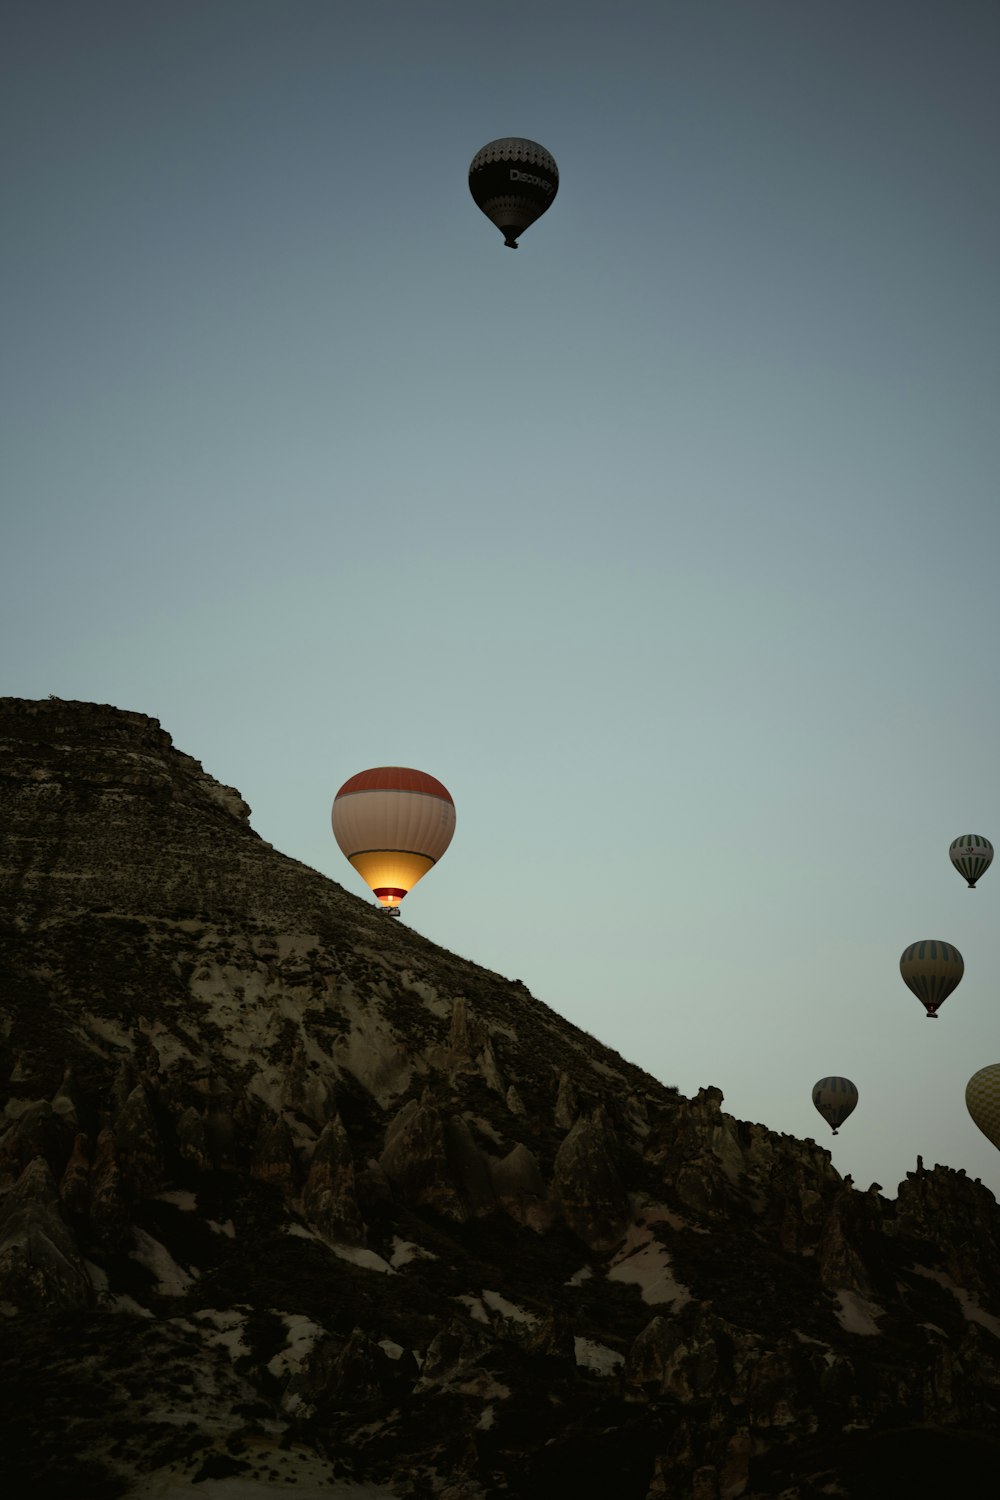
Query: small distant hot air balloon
931, 969
393, 824
835, 1098
972, 855
513, 181
982, 1100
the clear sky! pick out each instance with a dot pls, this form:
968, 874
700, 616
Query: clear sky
668, 542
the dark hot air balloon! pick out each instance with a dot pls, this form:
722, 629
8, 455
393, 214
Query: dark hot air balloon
972, 855
835, 1098
393, 824
931, 969
982, 1100
513, 181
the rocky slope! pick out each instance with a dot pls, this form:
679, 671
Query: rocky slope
295, 1201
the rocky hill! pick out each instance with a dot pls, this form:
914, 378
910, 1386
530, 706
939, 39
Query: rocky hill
294, 1201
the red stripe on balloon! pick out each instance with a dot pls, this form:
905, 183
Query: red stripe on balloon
395, 779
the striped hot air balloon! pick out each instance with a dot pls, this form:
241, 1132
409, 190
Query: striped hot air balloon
835, 1098
931, 969
982, 1100
393, 824
972, 855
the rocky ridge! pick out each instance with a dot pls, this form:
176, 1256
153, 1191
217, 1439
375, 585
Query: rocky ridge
293, 1199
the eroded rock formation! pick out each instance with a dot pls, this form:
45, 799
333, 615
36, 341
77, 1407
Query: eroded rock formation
288, 1194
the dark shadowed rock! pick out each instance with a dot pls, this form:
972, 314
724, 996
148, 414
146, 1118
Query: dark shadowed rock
343, 1374
693, 1357
520, 1189
274, 1157
469, 1168
138, 1144
586, 1183
192, 1142
40, 1267
74, 1188
329, 1197
567, 1106
35, 1131
109, 1213
470, 1047
415, 1160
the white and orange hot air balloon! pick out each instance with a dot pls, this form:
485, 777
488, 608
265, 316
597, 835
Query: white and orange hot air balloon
393, 824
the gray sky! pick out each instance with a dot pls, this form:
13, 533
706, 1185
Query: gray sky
668, 543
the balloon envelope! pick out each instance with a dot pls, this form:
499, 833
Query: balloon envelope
982, 1100
393, 824
513, 181
835, 1098
931, 969
972, 855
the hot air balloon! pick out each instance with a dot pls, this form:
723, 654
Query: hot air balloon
931, 969
982, 1100
835, 1098
972, 856
513, 181
393, 824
